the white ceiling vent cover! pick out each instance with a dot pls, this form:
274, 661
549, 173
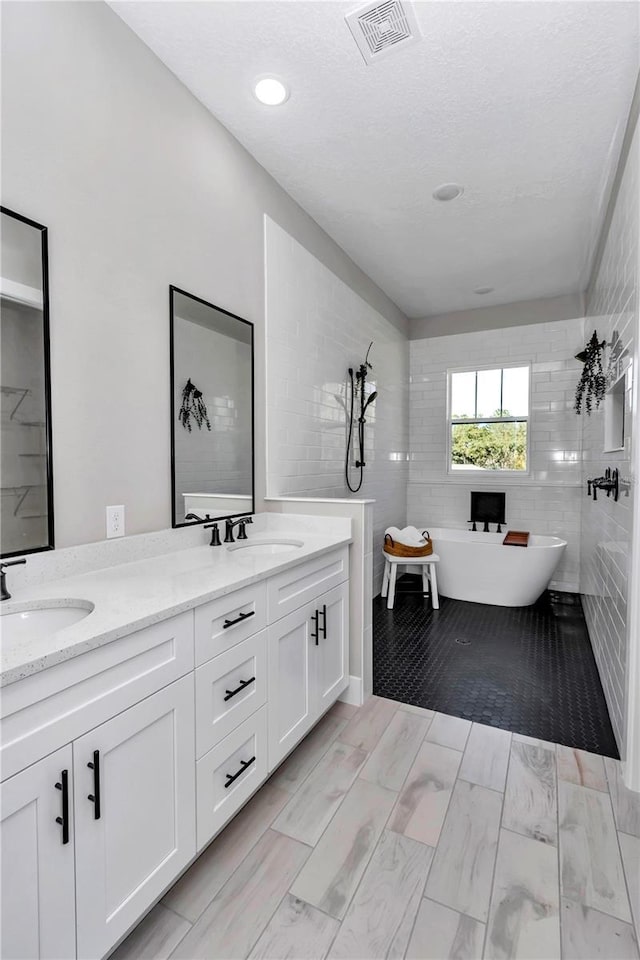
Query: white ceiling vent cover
380, 28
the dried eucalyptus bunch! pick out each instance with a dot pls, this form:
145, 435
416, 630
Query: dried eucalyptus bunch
193, 407
593, 382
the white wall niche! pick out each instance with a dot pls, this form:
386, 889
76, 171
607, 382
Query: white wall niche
617, 413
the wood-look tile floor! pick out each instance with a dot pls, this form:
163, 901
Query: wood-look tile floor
392, 831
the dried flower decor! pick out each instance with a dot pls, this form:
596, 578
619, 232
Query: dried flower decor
193, 407
593, 382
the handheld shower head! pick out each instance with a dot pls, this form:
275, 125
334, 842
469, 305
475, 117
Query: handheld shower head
370, 399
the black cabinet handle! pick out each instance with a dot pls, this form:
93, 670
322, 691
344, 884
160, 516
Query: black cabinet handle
314, 636
232, 623
243, 684
244, 765
95, 796
63, 785
324, 621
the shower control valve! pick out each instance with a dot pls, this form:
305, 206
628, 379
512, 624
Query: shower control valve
609, 483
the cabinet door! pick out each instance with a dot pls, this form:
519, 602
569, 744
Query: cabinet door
291, 707
38, 885
332, 652
138, 831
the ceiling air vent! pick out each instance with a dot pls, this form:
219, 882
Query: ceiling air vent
381, 28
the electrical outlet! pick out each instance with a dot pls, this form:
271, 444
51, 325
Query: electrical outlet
115, 522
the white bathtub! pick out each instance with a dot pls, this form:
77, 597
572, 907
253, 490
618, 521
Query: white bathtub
479, 568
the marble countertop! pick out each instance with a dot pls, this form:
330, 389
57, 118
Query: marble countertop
130, 596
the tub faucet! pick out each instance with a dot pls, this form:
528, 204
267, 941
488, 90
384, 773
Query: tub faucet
4, 593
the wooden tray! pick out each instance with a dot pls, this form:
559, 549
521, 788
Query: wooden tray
516, 538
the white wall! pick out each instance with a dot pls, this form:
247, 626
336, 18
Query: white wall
317, 327
607, 526
547, 501
140, 187
519, 314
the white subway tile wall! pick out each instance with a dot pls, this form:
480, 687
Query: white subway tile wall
548, 500
606, 526
317, 327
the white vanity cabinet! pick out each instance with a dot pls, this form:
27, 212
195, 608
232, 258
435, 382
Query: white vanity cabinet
294, 669
75, 887
38, 881
125, 761
308, 668
308, 649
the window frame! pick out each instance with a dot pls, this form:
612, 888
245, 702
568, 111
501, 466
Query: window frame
477, 472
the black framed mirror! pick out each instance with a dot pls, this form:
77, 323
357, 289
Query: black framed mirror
212, 411
26, 472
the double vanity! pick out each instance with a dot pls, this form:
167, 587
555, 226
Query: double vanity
142, 705
150, 684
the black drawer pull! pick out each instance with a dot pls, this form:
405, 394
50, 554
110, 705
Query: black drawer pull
314, 636
64, 819
244, 765
232, 623
95, 796
324, 622
243, 684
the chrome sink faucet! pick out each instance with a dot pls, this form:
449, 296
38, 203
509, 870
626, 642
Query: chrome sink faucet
240, 522
4, 593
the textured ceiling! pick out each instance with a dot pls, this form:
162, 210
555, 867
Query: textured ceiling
524, 103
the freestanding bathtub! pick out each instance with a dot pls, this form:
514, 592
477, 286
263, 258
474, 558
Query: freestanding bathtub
479, 568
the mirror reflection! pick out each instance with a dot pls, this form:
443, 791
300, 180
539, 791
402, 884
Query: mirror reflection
212, 411
25, 468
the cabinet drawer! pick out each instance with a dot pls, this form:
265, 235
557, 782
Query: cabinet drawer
228, 775
229, 689
224, 622
53, 707
293, 588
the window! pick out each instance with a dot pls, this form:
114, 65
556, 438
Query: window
489, 419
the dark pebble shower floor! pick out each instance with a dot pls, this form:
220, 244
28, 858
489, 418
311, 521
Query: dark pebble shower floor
530, 670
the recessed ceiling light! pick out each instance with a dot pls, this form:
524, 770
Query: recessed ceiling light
483, 290
448, 191
271, 91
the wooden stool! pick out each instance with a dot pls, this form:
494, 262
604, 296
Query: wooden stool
428, 565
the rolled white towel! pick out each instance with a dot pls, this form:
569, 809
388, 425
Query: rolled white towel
408, 535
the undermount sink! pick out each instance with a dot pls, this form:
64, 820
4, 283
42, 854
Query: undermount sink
22, 622
265, 548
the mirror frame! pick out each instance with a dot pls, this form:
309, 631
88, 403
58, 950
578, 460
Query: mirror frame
194, 523
44, 234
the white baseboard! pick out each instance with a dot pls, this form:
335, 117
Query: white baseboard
353, 693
